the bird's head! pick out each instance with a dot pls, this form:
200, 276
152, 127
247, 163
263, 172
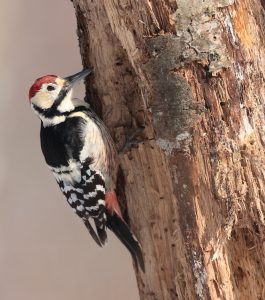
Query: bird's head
51, 96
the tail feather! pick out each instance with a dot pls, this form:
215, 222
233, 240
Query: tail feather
122, 231
92, 233
102, 232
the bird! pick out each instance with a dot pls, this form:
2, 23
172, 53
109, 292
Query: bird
82, 156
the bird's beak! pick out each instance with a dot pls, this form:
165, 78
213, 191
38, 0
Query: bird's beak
78, 76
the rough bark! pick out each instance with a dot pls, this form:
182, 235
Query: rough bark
192, 73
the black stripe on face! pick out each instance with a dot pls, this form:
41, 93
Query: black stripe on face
53, 110
62, 94
48, 113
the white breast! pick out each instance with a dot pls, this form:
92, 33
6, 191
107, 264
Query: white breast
94, 146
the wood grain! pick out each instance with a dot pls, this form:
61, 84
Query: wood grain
192, 74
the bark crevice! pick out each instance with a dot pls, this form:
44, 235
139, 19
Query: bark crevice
191, 73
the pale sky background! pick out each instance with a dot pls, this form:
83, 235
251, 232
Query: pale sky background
46, 252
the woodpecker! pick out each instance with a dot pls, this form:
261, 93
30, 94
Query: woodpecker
82, 157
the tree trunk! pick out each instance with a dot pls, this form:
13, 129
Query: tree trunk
192, 74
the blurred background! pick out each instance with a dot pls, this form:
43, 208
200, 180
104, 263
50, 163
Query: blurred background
46, 252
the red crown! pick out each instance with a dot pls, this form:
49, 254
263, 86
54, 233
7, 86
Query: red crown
39, 82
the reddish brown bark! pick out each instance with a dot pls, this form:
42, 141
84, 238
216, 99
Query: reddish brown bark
192, 73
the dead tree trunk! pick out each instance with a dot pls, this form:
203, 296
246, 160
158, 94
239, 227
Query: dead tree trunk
192, 73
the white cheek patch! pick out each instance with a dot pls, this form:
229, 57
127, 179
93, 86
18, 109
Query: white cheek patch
42, 100
45, 99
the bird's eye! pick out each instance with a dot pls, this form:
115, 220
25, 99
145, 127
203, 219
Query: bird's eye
50, 88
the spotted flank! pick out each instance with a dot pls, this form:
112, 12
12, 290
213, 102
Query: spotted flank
87, 198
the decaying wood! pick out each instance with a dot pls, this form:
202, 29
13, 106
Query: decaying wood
192, 74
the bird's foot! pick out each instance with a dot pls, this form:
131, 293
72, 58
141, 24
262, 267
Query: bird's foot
132, 141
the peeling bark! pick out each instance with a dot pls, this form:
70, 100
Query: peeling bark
192, 74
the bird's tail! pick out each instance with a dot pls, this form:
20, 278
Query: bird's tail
122, 231
100, 236
92, 232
